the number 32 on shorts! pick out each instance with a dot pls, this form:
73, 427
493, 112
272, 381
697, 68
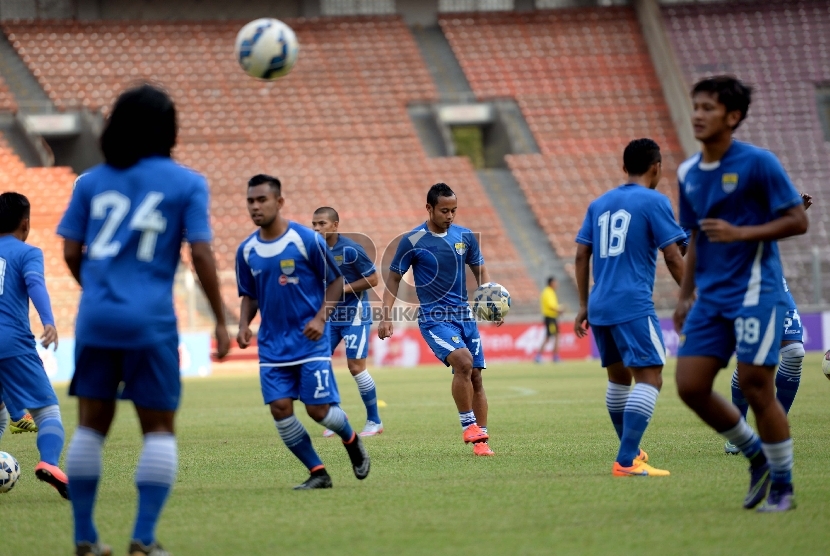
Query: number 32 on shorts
747, 330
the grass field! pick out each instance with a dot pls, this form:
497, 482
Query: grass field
548, 490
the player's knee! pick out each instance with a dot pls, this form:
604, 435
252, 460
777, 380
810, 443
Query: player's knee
317, 412
281, 409
475, 378
356, 366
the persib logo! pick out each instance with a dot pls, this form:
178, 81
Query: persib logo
338, 259
461, 248
287, 266
729, 182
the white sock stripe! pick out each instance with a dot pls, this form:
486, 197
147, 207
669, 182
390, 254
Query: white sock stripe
616, 396
735, 382
780, 455
5, 419
741, 435
291, 430
83, 458
643, 399
48, 428
45, 413
365, 382
335, 419
159, 460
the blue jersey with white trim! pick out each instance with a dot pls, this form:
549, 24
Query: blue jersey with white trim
355, 264
288, 277
747, 187
132, 222
438, 263
624, 228
17, 259
790, 300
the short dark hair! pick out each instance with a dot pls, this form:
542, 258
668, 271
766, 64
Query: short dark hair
273, 182
438, 190
330, 212
731, 92
639, 155
142, 124
14, 207
551, 279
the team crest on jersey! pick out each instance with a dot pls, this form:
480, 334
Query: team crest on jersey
338, 259
461, 248
287, 266
729, 182
456, 339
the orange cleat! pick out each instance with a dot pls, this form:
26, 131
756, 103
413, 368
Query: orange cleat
638, 469
642, 456
482, 449
473, 433
52, 475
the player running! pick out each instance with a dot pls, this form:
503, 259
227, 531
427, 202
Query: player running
438, 252
621, 233
122, 240
287, 273
23, 381
352, 318
788, 375
737, 200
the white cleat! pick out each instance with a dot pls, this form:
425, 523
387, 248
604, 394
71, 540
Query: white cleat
328, 433
372, 429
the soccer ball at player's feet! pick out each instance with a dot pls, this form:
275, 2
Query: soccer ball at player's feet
266, 48
9, 472
491, 301
825, 364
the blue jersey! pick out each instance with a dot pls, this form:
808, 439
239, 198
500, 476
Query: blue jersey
625, 227
438, 263
132, 222
355, 264
747, 187
288, 277
17, 260
789, 297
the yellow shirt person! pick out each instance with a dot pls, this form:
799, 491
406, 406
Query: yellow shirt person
549, 306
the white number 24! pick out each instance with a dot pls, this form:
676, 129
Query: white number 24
113, 207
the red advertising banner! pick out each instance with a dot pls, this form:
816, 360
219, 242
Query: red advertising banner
510, 342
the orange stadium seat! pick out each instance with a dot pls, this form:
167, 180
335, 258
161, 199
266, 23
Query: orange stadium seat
7, 102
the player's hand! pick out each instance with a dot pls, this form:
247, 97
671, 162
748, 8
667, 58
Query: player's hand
720, 231
681, 312
385, 329
315, 328
807, 199
581, 323
49, 336
223, 341
244, 337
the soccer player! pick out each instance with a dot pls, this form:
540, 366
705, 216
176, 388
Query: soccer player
122, 233
737, 200
352, 318
23, 380
622, 232
438, 252
550, 310
287, 273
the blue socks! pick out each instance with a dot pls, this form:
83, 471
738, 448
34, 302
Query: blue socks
154, 478
4, 420
296, 438
746, 439
738, 396
83, 467
616, 396
336, 421
366, 387
780, 458
50, 434
467, 418
788, 377
638, 412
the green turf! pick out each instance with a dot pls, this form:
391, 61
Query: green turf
548, 490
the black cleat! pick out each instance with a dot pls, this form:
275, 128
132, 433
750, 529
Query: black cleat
318, 479
759, 481
359, 456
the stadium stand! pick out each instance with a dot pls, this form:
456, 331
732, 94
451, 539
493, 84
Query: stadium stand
7, 102
335, 130
781, 48
586, 86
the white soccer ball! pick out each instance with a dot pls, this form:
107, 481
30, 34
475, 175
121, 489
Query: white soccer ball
491, 301
266, 48
825, 364
9, 472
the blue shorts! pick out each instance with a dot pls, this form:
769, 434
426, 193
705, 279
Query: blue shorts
24, 383
637, 343
753, 333
312, 383
445, 337
793, 331
356, 337
150, 375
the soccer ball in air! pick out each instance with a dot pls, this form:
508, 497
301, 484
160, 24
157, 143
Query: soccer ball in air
266, 48
9, 472
491, 301
825, 364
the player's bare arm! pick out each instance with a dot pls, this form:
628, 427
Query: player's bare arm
363, 284
792, 223
205, 266
583, 273
674, 262
687, 285
72, 254
247, 312
807, 199
481, 274
49, 336
316, 327
390, 294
